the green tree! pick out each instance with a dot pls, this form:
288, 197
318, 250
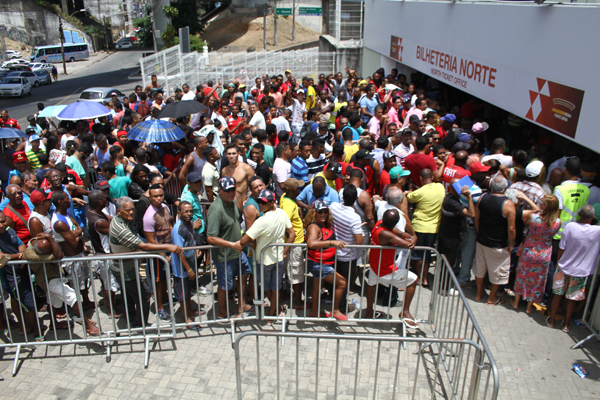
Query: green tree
144, 35
187, 16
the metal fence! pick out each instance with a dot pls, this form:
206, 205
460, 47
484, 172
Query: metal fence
346, 374
346, 20
174, 68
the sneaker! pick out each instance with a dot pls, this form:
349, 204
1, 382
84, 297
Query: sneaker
164, 316
452, 292
202, 290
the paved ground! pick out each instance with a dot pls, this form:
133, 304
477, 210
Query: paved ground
534, 362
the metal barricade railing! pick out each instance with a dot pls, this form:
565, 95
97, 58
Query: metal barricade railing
70, 280
208, 275
384, 364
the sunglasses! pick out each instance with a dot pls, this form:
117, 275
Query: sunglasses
324, 211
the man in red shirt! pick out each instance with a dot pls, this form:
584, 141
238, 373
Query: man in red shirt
457, 170
389, 162
422, 159
235, 123
7, 122
446, 125
17, 213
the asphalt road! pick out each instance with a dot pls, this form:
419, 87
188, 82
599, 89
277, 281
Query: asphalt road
113, 71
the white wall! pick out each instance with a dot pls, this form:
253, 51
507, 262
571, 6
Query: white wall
521, 42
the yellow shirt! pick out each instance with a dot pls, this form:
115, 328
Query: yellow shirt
331, 184
350, 151
291, 209
427, 215
311, 98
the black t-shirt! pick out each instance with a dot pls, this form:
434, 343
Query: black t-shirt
264, 172
453, 223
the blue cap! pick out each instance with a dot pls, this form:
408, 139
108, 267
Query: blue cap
449, 118
314, 127
34, 137
464, 137
194, 177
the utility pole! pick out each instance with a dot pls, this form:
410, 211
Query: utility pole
62, 47
265, 27
293, 20
275, 26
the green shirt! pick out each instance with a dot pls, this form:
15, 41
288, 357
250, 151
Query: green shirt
75, 165
122, 240
119, 186
197, 208
223, 222
269, 155
34, 161
120, 170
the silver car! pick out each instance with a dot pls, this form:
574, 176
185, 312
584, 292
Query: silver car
43, 75
30, 76
100, 94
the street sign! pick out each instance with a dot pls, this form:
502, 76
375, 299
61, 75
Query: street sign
283, 11
310, 11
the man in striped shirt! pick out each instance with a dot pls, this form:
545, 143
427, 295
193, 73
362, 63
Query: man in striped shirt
299, 168
405, 148
317, 160
348, 228
123, 240
33, 153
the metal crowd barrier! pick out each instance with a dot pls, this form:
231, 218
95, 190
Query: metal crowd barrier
588, 320
341, 371
78, 274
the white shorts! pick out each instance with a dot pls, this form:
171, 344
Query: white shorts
79, 269
102, 268
59, 292
294, 265
400, 278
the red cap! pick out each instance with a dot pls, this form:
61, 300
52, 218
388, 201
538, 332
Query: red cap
478, 167
121, 133
19, 156
38, 196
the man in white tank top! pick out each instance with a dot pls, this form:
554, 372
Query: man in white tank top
39, 220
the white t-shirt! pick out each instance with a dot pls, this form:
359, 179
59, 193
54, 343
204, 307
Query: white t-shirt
270, 228
382, 206
258, 120
346, 224
298, 110
188, 96
507, 161
281, 172
281, 124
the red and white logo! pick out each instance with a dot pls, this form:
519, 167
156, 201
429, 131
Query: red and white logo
396, 48
555, 106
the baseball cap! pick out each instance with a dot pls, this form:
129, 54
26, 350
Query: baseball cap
30, 118
19, 156
336, 167
464, 137
314, 127
398, 172
363, 154
406, 98
292, 184
300, 91
254, 92
121, 133
320, 205
38, 196
389, 154
34, 137
231, 84
449, 118
29, 130
480, 127
458, 146
266, 196
227, 183
102, 185
478, 167
363, 82
534, 168
113, 93
287, 70
242, 86
194, 177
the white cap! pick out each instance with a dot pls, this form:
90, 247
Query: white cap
533, 169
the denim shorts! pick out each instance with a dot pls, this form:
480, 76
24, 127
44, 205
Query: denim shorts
226, 274
425, 240
19, 285
317, 271
271, 276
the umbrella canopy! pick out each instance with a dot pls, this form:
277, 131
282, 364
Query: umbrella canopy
12, 133
51, 111
181, 109
156, 131
83, 110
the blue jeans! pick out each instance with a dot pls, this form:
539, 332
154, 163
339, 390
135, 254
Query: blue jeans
468, 246
226, 273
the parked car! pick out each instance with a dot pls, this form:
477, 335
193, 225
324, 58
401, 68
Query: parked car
44, 76
44, 66
30, 76
12, 54
18, 67
14, 61
4, 72
100, 94
125, 43
15, 86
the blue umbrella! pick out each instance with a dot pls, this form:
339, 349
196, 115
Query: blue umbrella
51, 111
83, 110
12, 133
156, 131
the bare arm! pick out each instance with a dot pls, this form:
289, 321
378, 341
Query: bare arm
510, 212
368, 208
217, 241
189, 162
534, 207
250, 216
209, 193
314, 236
477, 215
470, 210
437, 175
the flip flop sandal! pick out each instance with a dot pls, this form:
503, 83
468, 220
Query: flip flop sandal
39, 339
341, 317
498, 302
62, 325
93, 332
196, 328
548, 323
565, 329
411, 323
251, 310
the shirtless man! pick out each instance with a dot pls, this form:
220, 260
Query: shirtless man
153, 84
240, 171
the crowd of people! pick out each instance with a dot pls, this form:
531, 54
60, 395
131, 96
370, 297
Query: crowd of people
381, 160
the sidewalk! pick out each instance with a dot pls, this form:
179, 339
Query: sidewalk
534, 362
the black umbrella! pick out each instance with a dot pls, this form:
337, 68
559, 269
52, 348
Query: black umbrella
181, 109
